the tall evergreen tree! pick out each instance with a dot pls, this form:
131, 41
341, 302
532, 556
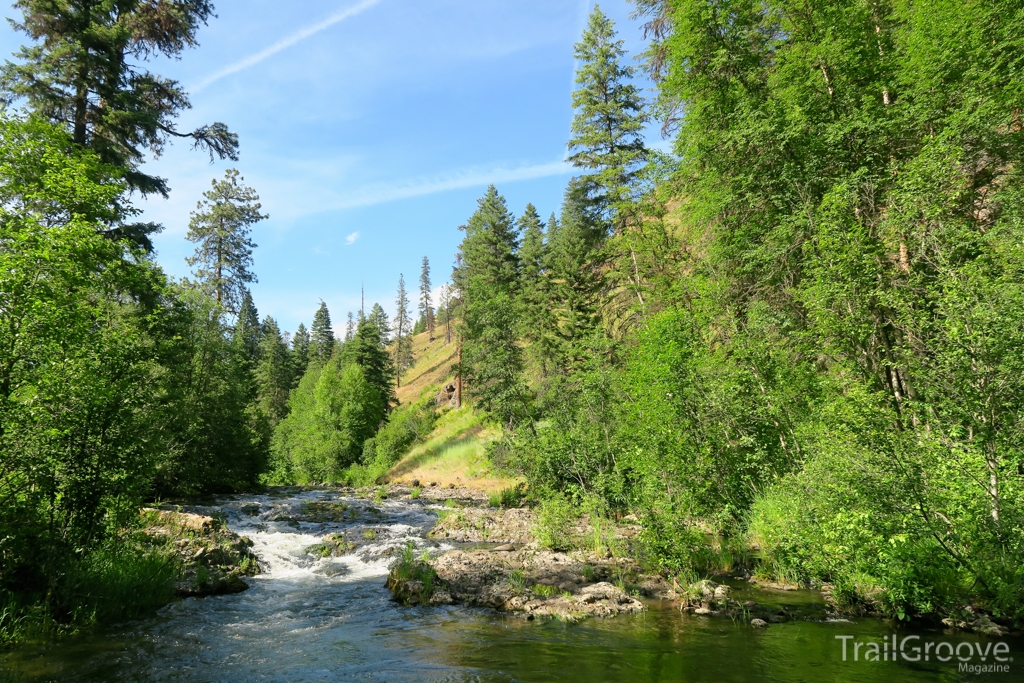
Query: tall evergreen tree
220, 227
533, 296
607, 130
247, 328
426, 303
379, 318
444, 311
300, 351
274, 373
367, 350
321, 338
84, 72
350, 327
573, 285
402, 327
486, 277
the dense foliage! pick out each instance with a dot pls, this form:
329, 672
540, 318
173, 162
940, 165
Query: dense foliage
806, 328
115, 384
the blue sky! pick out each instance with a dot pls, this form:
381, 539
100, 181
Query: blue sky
369, 129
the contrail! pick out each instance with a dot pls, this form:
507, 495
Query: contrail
382, 193
285, 43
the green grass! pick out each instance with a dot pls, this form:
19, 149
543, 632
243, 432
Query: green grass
509, 497
410, 568
543, 591
516, 580
115, 582
457, 445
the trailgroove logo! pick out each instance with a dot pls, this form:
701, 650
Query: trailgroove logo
973, 658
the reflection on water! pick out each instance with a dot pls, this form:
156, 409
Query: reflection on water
330, 619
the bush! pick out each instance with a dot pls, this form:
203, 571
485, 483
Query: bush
511, 497
556, 523
117, 581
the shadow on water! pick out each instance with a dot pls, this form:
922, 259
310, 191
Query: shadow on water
299, 622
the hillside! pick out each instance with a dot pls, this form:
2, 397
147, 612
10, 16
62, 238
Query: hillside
433, 361
456, 451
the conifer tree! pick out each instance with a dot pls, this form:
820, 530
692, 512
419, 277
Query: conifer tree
368, 351
220, 227
84, 72
350, 327
486, 276
444, 311
607, 130
321, 339
274, 373
402, 327
247, 328
300, 351
574, 284
535, 319
380, 319
426, 303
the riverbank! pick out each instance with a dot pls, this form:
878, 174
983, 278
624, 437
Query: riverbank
319, 610
594, 575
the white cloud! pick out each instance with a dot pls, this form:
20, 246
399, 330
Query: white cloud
285, 43
382, 193
351, 239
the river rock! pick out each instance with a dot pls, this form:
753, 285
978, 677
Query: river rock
212, 558
759, 623
524, 581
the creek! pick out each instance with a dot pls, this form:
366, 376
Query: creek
308, 618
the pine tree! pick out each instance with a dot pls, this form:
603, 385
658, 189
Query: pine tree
247, 328
607, 130
426, 303
574, 284
444, 311
379, 318
486, 278
300, 351
403, 342
321, 339
274, 373
368, 351
350, 327
85, 73
533, 291
220, 227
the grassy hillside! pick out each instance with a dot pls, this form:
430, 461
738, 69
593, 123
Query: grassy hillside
433, 365
455, 452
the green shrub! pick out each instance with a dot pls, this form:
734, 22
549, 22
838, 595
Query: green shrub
510, 497
555, 527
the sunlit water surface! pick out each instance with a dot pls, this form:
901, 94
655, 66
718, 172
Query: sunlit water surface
331, 619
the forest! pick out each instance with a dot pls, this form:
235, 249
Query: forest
800, 335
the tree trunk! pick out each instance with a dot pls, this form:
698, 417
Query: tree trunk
458, 380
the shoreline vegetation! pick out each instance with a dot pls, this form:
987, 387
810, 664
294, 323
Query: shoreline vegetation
792, 349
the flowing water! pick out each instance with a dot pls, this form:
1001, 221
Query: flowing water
331, 619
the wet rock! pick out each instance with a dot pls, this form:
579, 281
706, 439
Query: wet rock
323, 511
525, 581
509, 527
759, 623
212, 559
332, 569
331, 545
506, 548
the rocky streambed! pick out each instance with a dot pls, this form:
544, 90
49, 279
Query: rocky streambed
490, 605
